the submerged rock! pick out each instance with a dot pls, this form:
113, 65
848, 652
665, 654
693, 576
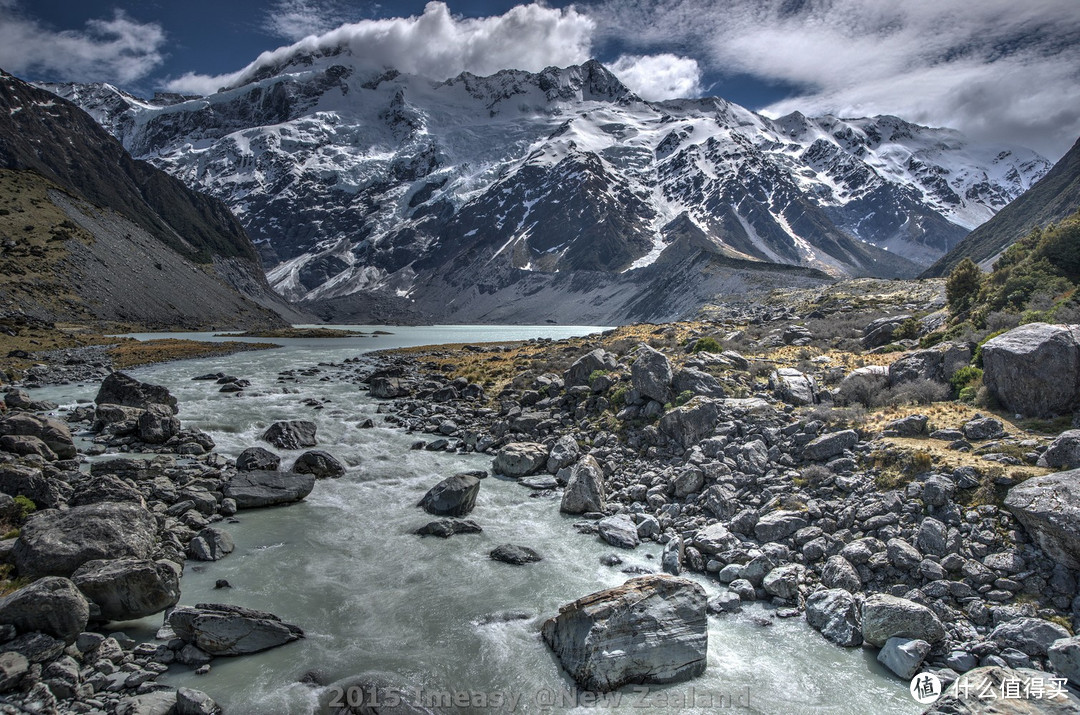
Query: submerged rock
320, 463
445, 528
651, 629
221, 629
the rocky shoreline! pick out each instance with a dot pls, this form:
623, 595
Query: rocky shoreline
947, 570
743, 469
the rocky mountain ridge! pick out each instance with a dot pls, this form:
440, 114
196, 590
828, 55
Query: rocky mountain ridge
355, 180
91, 233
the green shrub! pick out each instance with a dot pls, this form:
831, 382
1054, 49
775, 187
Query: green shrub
962, 286
618, 397
707, 345
967, 376
25, 505
596, 374
968, 395
683, 397
908, 330
977, 358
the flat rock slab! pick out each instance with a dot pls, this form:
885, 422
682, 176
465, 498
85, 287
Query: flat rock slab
651, 629
259, 488
221, 629
445, 528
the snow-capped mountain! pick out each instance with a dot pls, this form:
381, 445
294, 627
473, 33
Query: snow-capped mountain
352, 179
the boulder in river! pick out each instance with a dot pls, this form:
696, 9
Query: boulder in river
320, 463
259, 488
126, 589
1034, 370
121, 389
221, 629
520, 459
58, 542
885, 617
254, 458
445, 528
651, 629
619, 530
585, 490
514, 554
50, 605
211, 544
833, 612
1049, 508
291, 434
453, 496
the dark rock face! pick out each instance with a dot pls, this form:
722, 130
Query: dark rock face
291, 434
259, 488
1034, 370
121, 389
319, 463
692, 422
126, 589
387, 388
46, 493
652, 629
59, 542
453, 496
1049, 508
578, 373
220, 629
51, 605
254, 458
211, 544
651, 374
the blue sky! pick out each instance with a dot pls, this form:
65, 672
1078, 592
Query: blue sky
998, 70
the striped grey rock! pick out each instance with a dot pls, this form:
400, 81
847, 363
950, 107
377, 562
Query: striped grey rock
126, 589
651, 629
220, 629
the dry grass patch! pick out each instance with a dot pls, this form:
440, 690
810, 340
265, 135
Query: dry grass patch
132, 353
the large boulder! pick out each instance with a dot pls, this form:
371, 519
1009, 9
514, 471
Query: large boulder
453, 496
46, 493
56, 543
211, 544
157, 424
578, 373
880, 332
904, 656
1049, 508
715, 539
1034, 370
254, 458
696, 382
778, 525
564, 453
792, 386
651, 629
291, 434
54, 433
830, 445
937, 363
121, 389
259, 488
692, 422
885, 617
319, 463
1064, 655
1063, 452
24, 445
651, 374
126, 589
619, 530
51, 605
220, 629
387, 388
520, 459
835, 614
1032, 636
585, 490
970, 694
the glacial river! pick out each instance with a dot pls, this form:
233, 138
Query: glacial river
375, 598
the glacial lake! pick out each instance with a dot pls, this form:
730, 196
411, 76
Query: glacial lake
375, 598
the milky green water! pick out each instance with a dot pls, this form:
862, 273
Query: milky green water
373, 597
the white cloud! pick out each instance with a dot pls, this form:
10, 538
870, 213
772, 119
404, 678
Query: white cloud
118, 50
657, 77
439, 45
296, 19
997, 69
